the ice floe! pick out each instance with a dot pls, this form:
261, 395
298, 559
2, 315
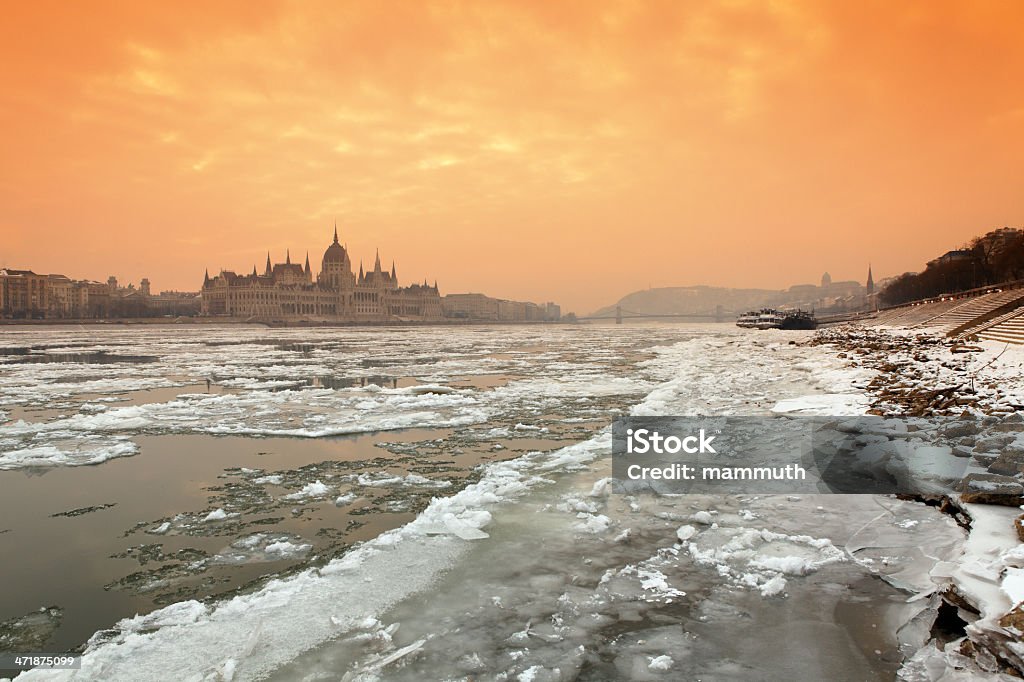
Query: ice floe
64, 452
216, 515
310, 490
254, 634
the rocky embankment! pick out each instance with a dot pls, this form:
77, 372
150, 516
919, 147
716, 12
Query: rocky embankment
978, 630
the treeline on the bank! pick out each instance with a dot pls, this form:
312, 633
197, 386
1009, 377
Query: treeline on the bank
994, 258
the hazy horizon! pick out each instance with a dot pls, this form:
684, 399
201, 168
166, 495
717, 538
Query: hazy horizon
532, 151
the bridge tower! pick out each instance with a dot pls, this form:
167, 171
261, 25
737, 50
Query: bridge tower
618, 314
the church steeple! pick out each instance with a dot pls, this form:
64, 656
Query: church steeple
254, 270
376, 267
394, 277
269, 269
308, 271
871, 281
206, 277
288, 257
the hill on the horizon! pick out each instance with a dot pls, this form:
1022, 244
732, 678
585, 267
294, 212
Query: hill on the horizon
695, 300
705, 300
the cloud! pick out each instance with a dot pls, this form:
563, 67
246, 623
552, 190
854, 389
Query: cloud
732, 121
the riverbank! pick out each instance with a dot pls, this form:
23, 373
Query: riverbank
977, 599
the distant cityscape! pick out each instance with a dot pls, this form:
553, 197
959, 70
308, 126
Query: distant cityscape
720, 303
27, 295
283, 293
995, 258
289, 293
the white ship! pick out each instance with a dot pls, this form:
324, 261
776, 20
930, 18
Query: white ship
747, 320
770, 318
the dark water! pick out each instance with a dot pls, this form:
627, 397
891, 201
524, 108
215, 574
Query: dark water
97, 565
98, 358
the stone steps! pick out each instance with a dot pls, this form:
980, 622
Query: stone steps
974, 309
1010, 330
978, 328
896, 315
922, 314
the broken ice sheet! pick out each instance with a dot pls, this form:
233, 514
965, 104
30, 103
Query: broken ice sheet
63, 451
31, 631
263, 547
903, 545
545, 574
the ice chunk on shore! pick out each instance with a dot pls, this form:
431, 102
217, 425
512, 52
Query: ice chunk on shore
175, 615
703, 517
1013, 585
601, 488
830, 404
686, 532
466, 528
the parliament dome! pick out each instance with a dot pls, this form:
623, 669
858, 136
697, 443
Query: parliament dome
335, 253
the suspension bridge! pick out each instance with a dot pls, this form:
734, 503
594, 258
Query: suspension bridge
719, 315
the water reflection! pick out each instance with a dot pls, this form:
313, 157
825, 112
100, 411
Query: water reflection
335, 382
92, 358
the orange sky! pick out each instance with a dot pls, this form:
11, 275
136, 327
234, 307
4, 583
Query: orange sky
572, 151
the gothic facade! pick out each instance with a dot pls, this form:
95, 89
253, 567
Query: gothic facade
288, 291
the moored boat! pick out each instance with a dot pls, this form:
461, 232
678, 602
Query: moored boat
770, 318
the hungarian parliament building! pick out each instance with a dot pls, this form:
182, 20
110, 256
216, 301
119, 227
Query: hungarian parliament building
287, 291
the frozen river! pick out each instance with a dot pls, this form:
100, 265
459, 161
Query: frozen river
428, 503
